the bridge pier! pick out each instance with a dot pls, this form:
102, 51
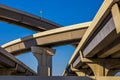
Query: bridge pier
103, 67
44, 58
98, 69
79, 72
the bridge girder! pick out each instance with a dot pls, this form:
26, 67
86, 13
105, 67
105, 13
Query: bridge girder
55, 37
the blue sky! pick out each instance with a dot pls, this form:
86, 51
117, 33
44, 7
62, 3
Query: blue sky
64, 12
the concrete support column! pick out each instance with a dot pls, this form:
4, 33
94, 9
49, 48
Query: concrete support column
44, 58
80, 73
98, 69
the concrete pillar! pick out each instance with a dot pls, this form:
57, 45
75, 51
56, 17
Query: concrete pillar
44, 58
98, 69
80, 73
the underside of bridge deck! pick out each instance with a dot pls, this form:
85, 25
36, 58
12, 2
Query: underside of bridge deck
98, 51
26, 20
51, 38
97, 43
9, 65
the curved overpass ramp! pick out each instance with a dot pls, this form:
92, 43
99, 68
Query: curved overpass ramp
98, 52
26, 20
55, 37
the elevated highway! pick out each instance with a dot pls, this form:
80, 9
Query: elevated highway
55, 37
98, 51
26, 20
9, 65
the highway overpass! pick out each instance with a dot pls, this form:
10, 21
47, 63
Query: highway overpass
97, 55
26, 20
51, 38
98, 52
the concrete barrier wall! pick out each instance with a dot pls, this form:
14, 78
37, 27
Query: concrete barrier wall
42, 78
58, 78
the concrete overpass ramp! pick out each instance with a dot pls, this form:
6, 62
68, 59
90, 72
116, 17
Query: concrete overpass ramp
55, 37
9, 65
99, 49
26, 20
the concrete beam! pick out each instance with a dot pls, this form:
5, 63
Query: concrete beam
104, 65
116, 16
26, 20
99, 36
111, 50
79, 72
10, 62
101, 39
100, 16
55, 37
116, 54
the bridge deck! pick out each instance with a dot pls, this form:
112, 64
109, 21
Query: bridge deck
55, 37
26, 20
101, 41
